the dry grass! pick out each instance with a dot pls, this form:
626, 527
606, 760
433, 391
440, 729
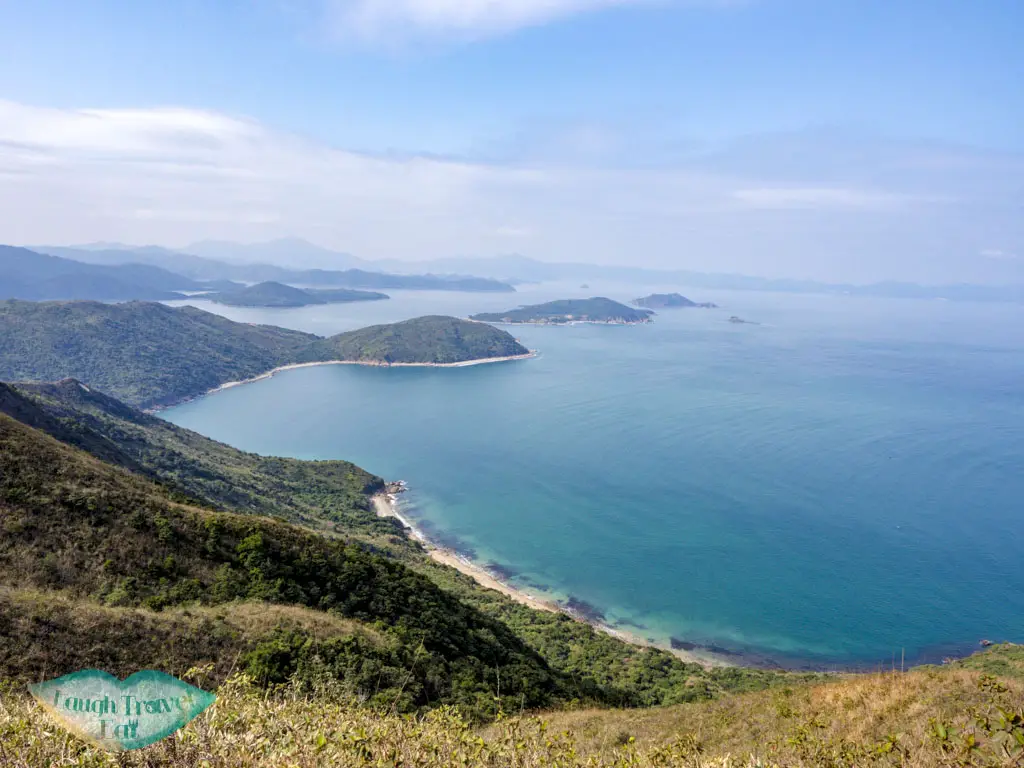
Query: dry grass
932, 717
46, 634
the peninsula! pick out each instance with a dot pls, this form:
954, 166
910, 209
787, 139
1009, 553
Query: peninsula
151, 355
671, 301
569, 311
274, 294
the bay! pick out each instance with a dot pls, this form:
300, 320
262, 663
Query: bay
833, 486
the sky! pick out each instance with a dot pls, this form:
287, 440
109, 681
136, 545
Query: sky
854, 140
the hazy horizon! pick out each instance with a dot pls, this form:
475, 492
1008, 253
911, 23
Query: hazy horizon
839, 142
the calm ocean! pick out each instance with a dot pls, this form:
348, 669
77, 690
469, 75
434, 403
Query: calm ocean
832, 486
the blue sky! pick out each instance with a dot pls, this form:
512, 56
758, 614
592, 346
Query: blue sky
809, 138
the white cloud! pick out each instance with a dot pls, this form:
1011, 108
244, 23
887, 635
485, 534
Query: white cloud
820, 198
376, 19
386, 20
998, 253
174, 176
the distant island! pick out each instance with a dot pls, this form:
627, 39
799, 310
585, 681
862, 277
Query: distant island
671, 301
151, 355
274, 294
567, 311
740, 321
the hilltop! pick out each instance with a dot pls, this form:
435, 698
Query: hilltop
272, 294
565, 311
151, 355
434, 339
671, 301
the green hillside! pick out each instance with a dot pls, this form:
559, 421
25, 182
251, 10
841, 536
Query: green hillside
594, 310
97, 534
312, 492
145, 354
150, 355
432, 339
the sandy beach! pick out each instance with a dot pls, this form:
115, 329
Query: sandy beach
372, 364
386, 505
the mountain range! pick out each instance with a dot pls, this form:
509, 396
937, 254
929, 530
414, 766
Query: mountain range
258, 262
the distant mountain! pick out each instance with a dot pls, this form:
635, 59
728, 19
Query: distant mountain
26, 274
358, 278
517, 269
149, 354
671, 301
179, 263
206, 269
564, 311
291, 252
425, 340
271, 294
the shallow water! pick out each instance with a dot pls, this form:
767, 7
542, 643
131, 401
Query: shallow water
835, 485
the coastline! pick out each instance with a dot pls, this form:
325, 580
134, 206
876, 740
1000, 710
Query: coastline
386, 505
371, 363
566, 323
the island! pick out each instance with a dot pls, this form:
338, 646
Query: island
740, 321
671, 301
569, 311
274, 294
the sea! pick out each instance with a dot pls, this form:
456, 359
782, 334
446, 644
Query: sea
838, 483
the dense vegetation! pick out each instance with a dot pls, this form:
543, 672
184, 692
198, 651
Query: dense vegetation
594, 310
149, 355
312, 492
145, 354
432, 339
96, 533
25, 274
272, 294
671, 301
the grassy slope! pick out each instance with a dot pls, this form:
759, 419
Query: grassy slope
932, 717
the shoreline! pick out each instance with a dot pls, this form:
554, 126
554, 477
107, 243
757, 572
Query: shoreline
370, 363
386, 505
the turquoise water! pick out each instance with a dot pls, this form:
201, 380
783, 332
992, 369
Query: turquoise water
834, 485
